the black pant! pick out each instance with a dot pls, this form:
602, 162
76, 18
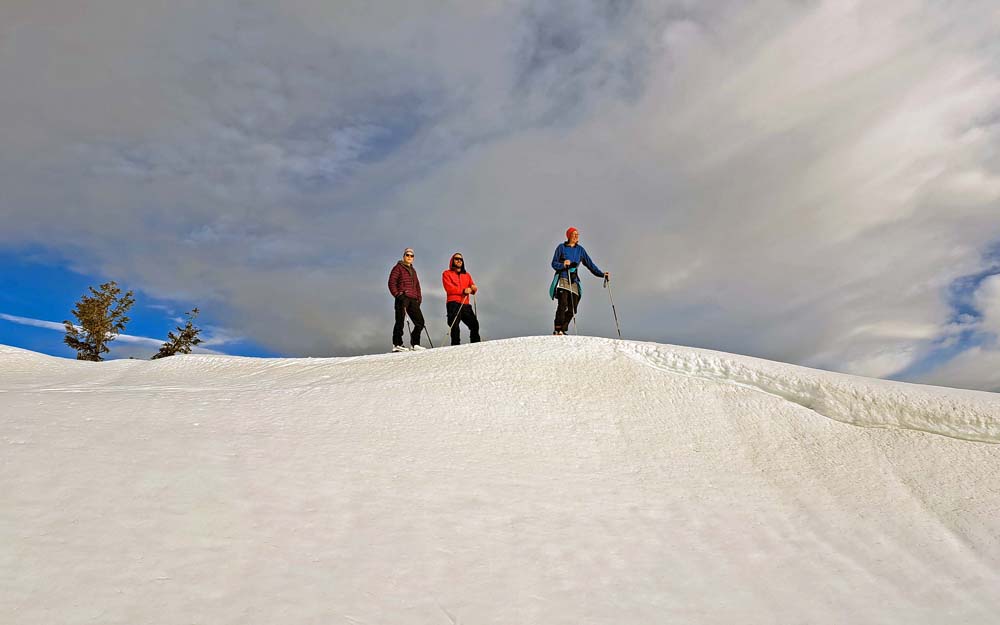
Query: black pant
565, 308
468, 317
406, 306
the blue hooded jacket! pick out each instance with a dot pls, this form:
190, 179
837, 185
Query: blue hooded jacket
577, 256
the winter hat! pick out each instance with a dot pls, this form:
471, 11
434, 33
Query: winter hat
570, 232
409, 249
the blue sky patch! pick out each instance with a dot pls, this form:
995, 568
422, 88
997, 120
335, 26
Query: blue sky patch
964, 318
35, 289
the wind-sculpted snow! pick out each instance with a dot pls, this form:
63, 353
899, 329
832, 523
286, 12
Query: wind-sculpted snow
970, 415
555, 480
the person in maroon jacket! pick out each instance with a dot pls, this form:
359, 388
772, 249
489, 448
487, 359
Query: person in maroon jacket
459, 287
405, 288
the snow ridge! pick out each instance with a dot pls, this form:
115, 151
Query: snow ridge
556, 480
866, 402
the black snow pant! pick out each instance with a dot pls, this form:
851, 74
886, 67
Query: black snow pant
407, 306
566, 307
466, 316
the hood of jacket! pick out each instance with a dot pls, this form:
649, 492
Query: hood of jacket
407, 267
451, 263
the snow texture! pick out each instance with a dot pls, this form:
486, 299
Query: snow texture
536, 480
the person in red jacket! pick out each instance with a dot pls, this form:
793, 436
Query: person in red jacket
405, 288
459, 286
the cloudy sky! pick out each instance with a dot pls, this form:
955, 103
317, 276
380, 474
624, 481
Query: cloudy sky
816, 182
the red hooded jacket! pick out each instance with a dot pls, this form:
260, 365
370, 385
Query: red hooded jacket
455, 281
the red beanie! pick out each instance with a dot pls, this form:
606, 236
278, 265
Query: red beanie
570, 232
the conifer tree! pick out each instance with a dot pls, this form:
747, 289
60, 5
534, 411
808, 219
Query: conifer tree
183, 341
101, 317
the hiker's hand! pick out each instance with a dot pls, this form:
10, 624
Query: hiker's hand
467, 291
607, 275
566, 263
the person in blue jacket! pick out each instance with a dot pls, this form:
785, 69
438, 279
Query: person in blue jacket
566, 287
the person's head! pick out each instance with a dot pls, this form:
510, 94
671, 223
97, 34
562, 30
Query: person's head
572, 236
457, 262
408, 256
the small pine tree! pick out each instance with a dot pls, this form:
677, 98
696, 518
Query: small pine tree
101, 318
183, 341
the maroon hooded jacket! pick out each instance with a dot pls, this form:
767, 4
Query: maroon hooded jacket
403, 281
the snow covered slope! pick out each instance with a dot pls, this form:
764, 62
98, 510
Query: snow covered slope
537, 480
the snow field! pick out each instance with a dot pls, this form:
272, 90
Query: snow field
535, 480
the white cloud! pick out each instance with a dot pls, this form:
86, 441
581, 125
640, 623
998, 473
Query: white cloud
975, 368
52, 325
38, 323
139, 346
799, 181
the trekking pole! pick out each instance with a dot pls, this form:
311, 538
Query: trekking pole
607, 285
427, 331
410, 330
576, 326
576, 313
455, 320
475, 311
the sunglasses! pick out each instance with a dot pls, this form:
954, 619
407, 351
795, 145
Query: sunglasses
410, 255
458, 260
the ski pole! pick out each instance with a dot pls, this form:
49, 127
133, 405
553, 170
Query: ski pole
455, 320
607, 285
576, 326
576, 313
410, 330
427, 331
475, 311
